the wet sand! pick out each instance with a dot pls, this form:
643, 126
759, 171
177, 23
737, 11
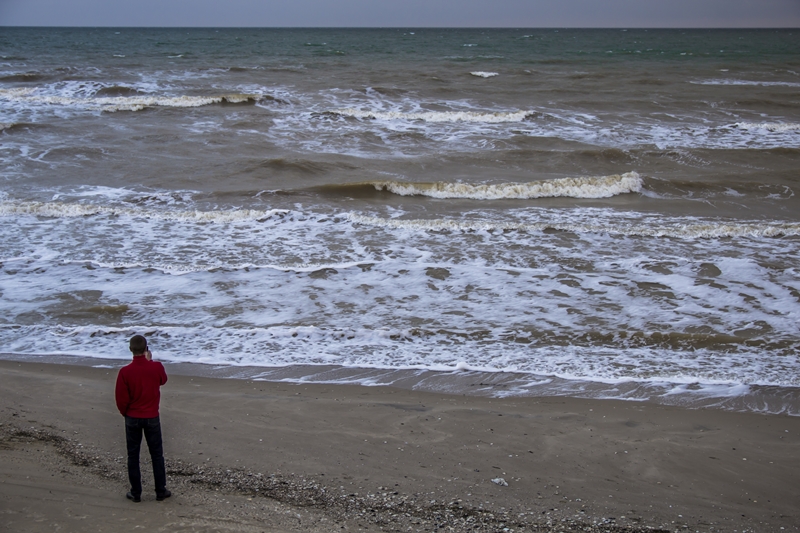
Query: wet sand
248, 455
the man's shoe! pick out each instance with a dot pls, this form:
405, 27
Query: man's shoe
163, 496
134, 499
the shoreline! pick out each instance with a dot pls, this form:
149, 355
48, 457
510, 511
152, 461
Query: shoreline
764, 399
388, 459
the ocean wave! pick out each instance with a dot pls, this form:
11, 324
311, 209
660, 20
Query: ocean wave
122, 103
697, 230
437, 116
482, 74
585, 187
70, 210
119, 90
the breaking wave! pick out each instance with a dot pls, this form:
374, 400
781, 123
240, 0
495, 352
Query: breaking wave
122, 103
584, 187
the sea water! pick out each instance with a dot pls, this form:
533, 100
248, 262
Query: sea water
599, 213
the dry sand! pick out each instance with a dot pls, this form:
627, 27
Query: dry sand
274, 457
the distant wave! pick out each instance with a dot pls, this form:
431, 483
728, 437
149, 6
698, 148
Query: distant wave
681, 231
122, 103
9, 127
749, 83
437, 116
586, 187
21, 76
482, 74
68, 210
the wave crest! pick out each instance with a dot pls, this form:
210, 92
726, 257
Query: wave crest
585, 187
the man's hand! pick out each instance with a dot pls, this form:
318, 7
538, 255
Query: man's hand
148, 355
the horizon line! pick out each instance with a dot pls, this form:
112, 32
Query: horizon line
405, 27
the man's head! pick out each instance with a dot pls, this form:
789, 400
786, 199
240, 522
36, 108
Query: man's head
138, 345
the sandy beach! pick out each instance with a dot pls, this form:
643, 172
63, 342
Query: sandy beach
259, 456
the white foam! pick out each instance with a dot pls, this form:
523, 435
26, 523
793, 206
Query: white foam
584, 187
482, 74
317, 288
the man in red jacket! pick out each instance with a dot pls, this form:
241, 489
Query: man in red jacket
138, 394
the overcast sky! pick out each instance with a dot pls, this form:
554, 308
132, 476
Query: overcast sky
404, 13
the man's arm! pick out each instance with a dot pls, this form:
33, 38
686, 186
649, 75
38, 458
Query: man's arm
163, 373
121, 395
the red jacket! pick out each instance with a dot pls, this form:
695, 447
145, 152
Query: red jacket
138, 388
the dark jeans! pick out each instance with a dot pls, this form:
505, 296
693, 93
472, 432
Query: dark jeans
151, 427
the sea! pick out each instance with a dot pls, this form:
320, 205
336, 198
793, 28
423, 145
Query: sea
503, 212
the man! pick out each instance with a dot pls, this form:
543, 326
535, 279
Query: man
138, 393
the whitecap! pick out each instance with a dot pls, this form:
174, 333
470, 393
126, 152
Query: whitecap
438, 116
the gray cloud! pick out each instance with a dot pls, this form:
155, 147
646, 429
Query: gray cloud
407, 13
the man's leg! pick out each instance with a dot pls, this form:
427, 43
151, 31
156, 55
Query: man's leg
133, 438
152, 434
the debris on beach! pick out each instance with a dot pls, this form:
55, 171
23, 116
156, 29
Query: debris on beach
384, 508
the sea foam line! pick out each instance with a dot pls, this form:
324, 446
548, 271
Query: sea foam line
437, 116
397, 349
583, 187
